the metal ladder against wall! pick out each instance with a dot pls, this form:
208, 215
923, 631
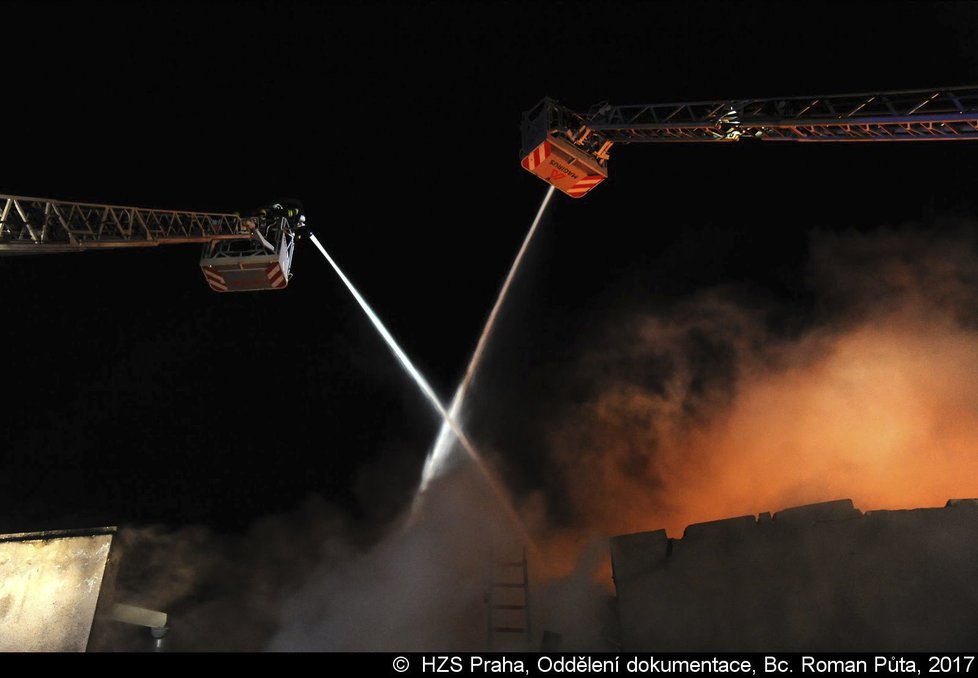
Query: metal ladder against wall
507, 602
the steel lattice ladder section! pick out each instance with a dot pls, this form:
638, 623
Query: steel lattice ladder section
507, 600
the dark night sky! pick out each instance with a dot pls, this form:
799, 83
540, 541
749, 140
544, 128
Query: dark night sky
134, 393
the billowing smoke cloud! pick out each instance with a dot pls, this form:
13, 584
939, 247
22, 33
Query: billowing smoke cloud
420, 587
720, 408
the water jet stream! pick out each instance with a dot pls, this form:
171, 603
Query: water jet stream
439, 454
430, 394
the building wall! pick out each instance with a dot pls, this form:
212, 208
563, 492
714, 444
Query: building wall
820, 577
49, 589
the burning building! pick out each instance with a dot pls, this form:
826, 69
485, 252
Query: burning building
821, 577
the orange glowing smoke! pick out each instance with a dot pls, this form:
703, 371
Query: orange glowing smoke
889, 418
882, 409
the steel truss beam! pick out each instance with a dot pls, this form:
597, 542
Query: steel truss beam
936, 114
35, 225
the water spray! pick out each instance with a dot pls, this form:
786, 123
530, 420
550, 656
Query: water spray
438, 457
428, 392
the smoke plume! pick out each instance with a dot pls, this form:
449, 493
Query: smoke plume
719, 408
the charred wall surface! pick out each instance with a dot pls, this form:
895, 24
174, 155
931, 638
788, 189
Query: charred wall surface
823, 577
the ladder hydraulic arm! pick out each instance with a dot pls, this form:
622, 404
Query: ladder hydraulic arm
571, 151
914, 115
241, 253
41, 225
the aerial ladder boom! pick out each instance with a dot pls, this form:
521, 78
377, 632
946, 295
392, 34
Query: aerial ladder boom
251, 252
555, 139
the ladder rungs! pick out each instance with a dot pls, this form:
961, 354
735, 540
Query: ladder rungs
509, 607
507, 629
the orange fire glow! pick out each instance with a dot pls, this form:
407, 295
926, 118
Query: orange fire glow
885, 414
